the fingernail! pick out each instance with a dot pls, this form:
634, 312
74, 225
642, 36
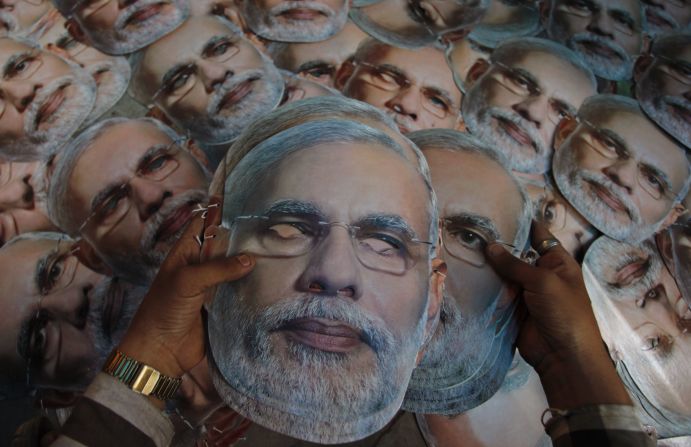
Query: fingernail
244, 260
495, 249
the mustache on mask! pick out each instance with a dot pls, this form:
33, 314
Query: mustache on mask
372, 330
122, 21
227, 86
171, 206
617, 191
284, 7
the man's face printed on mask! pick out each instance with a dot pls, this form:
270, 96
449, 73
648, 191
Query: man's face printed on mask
61, 319
208, 79
643, 319
134, 212
111, 73
44, 100
516, 104
607, 33
319, 341
468, 356
620, 171
414, 87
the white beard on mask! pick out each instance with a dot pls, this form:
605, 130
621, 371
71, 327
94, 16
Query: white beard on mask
480, 118
272, 25
306, 393
465, 362
223, 126
110, 89
574, 184
140, 267
121, 39
66, 120
616, 68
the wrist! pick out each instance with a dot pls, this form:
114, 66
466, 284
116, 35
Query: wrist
152, 354
582, 378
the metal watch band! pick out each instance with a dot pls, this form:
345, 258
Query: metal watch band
141, 378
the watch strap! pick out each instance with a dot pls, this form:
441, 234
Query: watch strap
141, 378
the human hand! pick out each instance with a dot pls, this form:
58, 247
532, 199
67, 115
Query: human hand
559, 336
167, 331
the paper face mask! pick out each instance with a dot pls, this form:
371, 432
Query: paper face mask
620, 171
472, 348
319, 341
645, 323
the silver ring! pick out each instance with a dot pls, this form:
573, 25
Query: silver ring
544, 246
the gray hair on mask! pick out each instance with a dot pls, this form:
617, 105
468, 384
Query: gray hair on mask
266, 155
298, 112
455, 141
513, 49
60, 210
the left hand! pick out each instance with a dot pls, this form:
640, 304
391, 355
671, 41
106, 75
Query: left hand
168, 331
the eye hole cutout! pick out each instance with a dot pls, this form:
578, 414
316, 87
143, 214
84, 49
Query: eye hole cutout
468, 238
290, 230
381, 243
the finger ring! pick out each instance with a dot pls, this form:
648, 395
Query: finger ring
544, 246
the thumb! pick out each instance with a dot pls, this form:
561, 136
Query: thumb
195, 279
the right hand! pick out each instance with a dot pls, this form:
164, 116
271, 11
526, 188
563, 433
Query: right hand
559, 337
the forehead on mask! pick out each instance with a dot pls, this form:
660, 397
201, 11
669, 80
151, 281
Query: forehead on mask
298, 112
310, 292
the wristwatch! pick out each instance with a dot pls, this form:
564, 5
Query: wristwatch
141, 378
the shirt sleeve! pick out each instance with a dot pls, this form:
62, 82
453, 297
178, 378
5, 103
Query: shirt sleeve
610, 425
110, 414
